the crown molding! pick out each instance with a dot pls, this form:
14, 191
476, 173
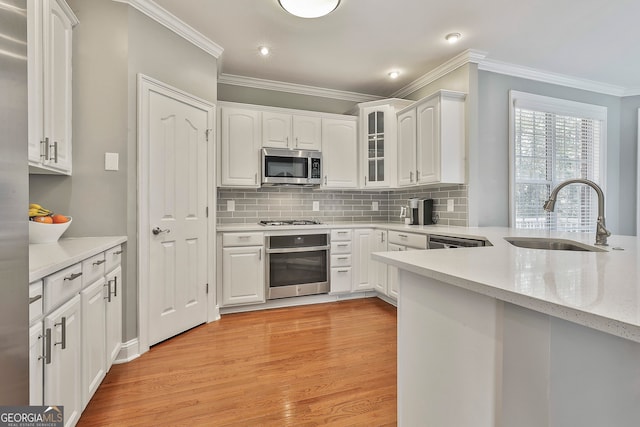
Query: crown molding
470, 55
634, 91
230, 79
549, 77
168, 20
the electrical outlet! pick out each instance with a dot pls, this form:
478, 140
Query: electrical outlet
450, 206
231, 205
374, 206
111, 161
316, 206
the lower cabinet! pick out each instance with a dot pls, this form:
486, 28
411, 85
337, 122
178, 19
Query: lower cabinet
93, 338
63, 352
113, 315
243, 275
36, 364
363, 243
379, 269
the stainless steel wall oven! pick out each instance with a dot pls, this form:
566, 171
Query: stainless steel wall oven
297, 264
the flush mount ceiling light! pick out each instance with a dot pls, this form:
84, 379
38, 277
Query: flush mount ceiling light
453, 37
264, 50
394, 74
309, 8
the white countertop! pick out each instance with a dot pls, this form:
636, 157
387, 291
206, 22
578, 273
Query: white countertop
47, 258
600, 290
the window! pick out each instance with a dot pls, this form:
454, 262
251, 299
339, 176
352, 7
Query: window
553, 140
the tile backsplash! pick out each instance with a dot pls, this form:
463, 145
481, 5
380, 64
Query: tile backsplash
253, 205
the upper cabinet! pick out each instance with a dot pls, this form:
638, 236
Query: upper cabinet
379, 142
50, 26
280, 130
431, 142
239, 147
339, 153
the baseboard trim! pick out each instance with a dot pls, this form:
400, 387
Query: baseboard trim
129, 351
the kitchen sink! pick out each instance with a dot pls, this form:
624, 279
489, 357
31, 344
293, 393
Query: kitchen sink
551, 244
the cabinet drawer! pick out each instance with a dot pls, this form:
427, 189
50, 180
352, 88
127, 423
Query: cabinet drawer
61, 286
418, 241
340, 279
92, 269
341, 260
113, 258
341, 235
242, 239
36, 299
340, 248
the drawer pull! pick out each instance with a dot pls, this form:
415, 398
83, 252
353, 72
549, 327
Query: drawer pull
63, 323
34, 299
115, 286
343, 271
73, 276
108, 285
244, 237
342, 245
343, 232
47, 346
118, 252
404, 236
100, 261
343, 257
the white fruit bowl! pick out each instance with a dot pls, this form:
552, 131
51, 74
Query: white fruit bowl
47, 233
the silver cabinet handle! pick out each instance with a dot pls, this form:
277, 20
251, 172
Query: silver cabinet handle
381, 237
63, 323
260, 254
342, 232
47, 346
55, 151
115, 286
325, 180
34, 299
72, 276
286, 140
417, 175
343, 271
342, 257
365, 180
108, 285
99, 262
118, 252
296, 142
342, 245
404, 236
44, 148
158, 230
411, 176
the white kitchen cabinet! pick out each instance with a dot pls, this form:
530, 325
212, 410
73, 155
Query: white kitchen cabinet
379, 269
364, 265
36, 364
339, 153
49, 45
281, 130
62, 377
113, 315
401, 241
378, 123
437, 142
93, 338
239, 147
243, 275
341, 271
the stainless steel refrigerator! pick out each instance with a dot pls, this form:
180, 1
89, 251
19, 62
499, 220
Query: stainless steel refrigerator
14, 195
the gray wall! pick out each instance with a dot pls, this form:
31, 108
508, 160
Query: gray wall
629, 158
113, 43
492, 160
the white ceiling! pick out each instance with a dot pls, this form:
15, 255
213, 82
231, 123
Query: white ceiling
353, 48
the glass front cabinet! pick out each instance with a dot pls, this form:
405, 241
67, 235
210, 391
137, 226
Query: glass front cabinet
379, 142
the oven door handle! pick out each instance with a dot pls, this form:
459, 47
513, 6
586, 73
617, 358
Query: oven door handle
293, 250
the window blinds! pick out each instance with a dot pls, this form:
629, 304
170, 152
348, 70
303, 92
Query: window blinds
550, 148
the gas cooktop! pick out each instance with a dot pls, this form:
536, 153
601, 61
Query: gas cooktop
290, 222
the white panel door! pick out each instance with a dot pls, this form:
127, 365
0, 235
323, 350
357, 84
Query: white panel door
178, 153
36, 364
363, 262
307, 133
407, 148
114, 315
428, 116
93, 338
339, 153
243, 275
276, 130
239, 147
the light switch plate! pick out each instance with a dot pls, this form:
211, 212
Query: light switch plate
316, 206
111, 161
374, 206
231, 205
450, 206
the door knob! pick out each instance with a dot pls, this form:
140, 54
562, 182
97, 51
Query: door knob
157, 231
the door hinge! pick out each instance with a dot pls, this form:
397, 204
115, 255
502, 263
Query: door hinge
206, 134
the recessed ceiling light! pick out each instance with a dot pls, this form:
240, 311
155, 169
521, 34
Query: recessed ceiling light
309, 8
394, 74
264, 51
453, 37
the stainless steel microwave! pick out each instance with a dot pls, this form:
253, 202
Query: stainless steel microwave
295, 167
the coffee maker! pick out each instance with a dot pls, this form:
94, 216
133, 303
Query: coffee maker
410, 212
425, 212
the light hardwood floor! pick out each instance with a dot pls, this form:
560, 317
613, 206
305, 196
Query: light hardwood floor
316, 365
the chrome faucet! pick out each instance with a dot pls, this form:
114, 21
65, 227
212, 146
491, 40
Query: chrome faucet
601, 232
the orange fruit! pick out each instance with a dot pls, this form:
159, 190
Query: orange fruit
43, 219
59, 219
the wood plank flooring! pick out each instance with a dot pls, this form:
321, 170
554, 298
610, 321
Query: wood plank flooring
316, 365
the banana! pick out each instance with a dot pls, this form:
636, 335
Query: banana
37, 210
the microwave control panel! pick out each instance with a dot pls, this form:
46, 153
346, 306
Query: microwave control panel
315, 169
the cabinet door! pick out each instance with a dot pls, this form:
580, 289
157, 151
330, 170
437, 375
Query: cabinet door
407, 148
239, 147
243, 275
93, 338
35, 55
341, 280
57, 85
375, 149
339, 153
306, 133
62, 385
114, 315
379, 269
392, 272
36, 364
363, 262
428, 149
276, 130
